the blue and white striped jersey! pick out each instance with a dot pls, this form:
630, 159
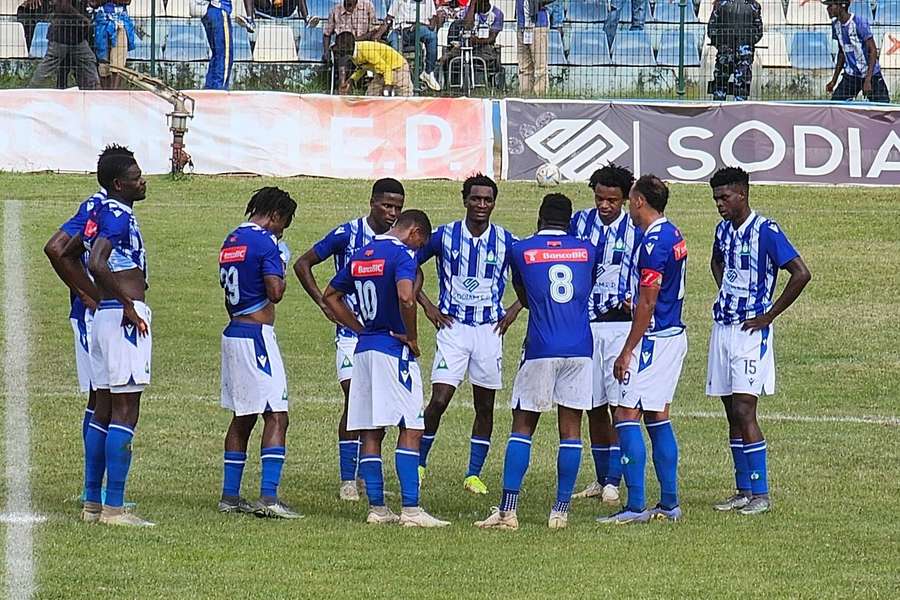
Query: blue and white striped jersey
752, 255
617, 245
471, 271
116, 222
73, 227
342, 243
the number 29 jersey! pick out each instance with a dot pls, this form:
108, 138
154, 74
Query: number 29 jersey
248, 254
557, 272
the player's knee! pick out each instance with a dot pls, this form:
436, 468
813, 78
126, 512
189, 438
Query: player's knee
743, 409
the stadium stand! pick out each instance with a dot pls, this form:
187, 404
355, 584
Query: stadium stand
890, 50
274, 43
586, 48
887, 12
310, 47
142, 8
632, 48
772, 14
586, 11
12, 40
186, 41
811, 50
669, 11
772, 50
807, 12
8, 7
670, 51
180, 9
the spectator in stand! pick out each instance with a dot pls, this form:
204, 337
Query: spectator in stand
401, 22
216, 18
67, 38
283, 9
639, 10
479, 25
735, 27
390, 68
533, 27
113, 38
355, 16
857, 57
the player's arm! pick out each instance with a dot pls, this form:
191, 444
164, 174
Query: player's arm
334, 299
303, 269
99, 268
275, 287
519, 287
643, 313
872, 51
717, 267
838, 69
800, 276
406, 295
423, 255
64, 252
509, 318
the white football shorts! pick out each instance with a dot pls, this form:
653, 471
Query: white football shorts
345, 347
473, 349
253, 379
120, 356
653, 375
609, 339
542, 383
740, 362
385, 391
82, 333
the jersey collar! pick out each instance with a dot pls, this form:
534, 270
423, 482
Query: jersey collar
551, 232
615, 224
659, 221
482, 237
747, 222
120, 205
384, 236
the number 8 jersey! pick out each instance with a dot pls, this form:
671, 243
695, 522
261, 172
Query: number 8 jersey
248, 254
557, 272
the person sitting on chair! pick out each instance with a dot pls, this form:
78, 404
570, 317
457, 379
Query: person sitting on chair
401, 22
479, 26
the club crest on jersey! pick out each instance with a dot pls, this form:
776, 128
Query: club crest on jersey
680, 250
554, 244
90, 228
369, 252
745, 249
491, 258
233, 254
367, 268
537, 256
620, 245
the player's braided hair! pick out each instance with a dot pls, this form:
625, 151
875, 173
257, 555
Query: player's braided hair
270, 201
478, 179
612, 175
730, 176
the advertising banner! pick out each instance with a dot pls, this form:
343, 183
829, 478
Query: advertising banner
264, 133
778, 143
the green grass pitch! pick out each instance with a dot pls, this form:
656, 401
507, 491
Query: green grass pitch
834, 531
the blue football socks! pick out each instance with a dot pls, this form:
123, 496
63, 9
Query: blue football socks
370, 471
756, 463
272, 459
567, 462
347, 452
600, 453
515, 464
94, 461
407, 463
665, 461
86, 422
614, 477
478, 451
118, 462
234, 470
424, 448
634, 461
741, 470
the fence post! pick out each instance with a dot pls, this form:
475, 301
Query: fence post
682, 5
152, 38
417, 68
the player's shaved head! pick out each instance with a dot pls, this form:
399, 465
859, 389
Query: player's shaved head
272, 202
653, 191
387, 185
555, 211
478, 179
414, 218
735, 176
613, 175
112, 167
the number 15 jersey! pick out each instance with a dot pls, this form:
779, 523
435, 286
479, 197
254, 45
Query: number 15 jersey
248, 254
557, 272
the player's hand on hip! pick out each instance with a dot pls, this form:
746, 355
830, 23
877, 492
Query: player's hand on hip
754, 325
413, 345
508, 319
88, 302
620, 367
437, 318
329, 314
130, 315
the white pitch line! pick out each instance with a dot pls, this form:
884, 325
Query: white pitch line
18, 517
862, 419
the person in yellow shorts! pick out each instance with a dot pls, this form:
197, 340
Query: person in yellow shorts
390, 68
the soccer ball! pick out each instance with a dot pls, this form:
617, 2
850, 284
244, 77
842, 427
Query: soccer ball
547, 175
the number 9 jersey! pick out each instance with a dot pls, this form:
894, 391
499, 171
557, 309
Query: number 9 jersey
248, 254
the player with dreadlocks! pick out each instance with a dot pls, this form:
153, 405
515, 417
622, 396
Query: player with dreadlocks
251, 271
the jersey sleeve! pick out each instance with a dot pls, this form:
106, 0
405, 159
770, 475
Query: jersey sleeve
336, 240
652, 258
406, 266
343, 281
76, 222
776, 244
113, 225
432, 248
271, 262
573, 225
863, 29
717, 255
